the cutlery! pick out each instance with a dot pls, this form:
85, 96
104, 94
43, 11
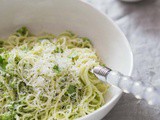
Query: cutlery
128, 85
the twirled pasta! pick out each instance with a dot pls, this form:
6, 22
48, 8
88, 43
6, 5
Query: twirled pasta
48, 77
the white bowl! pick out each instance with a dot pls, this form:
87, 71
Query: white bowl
56, 16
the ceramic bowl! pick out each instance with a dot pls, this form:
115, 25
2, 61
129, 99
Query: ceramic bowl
56, 16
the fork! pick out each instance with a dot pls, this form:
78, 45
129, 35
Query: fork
128, 85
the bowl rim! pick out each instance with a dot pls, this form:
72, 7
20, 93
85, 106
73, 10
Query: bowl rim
125, 40
116, 26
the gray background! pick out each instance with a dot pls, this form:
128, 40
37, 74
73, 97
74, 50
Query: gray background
140, 22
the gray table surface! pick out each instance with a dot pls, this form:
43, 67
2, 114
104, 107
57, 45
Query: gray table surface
140, 22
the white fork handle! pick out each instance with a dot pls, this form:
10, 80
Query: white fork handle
128, 85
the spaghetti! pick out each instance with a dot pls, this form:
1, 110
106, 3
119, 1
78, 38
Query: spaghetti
48, 77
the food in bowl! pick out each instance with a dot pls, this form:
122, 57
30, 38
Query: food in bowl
48, 77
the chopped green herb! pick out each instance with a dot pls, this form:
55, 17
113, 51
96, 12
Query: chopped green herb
103, 65
12, 106
2, 50
7, 116
86, 39
43, 98
56, 68
3, 63
58, 50
1, 84
22, 31
71, 89
13, 85
71, 33
1, 59
1, 43
17, 59
24, 48
62, 87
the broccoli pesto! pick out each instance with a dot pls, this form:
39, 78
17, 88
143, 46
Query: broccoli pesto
47, 77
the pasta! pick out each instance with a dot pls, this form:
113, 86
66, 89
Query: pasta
48, 77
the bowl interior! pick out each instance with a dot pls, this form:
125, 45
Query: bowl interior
56, 16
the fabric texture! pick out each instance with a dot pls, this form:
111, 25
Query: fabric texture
140, 22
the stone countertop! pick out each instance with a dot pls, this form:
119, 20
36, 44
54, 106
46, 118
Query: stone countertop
140, 22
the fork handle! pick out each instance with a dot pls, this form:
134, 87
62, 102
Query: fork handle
128, 85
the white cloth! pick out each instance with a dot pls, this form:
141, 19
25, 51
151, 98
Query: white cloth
141, 24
